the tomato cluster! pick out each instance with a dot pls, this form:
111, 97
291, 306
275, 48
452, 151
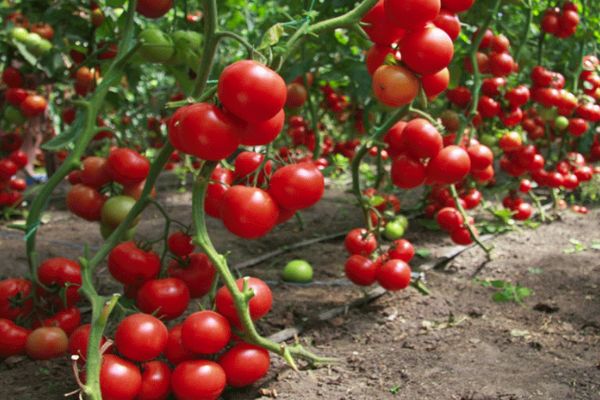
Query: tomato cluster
41, 330
89, 197
561, 22
11, 187
418, 35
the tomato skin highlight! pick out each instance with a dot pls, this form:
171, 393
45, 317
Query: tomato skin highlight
198, 380
244, 364
252, 91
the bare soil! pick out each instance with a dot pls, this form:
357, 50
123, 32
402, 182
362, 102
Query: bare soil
456, 343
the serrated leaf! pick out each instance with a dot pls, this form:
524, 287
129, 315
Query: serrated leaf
272, 36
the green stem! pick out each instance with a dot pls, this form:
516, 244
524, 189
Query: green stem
477, 79
211, 42
467, 224
240, 297
525, 34
360, 154
165, 236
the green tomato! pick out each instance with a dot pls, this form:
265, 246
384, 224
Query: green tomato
188, 45
561, 123
488, 140
19, 34
297, 271
115, 210
106, 231
393, 230
402, 220
32, 40
13, 115
157, 47
42, 47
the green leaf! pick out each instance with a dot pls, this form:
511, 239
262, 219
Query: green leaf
341, 35
523, 292
376, 200
271, 36
429, 224
62, 140
423, 253
499, 283
501, 297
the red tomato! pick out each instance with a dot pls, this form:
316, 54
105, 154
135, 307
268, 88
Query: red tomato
449, 219
248, 212
95, 172
407, 173
196, 271
156, 381
401, 249
421, 139
141, 337
491, 86
15, 300
461, 96
435, 84
376, 57
297, 186
488, 107
449, 23
394, 275
472, 199
15, 96
252, 91
247, 162
127, 166
79, 341
244, 364
220, 179
411, 14
394, 85
131, 265
501, 64
263, 132
451, 165
198, 380
33, 105
523, 211
359, 241
63, 273
175, 352
393, 138
457, 6
296, 95
46, 343
12, 338
461, 236
379, 27
481, 156
203, 130
360, 270
85, 202
169, 296
7, 169
205, 332
180, 244
500, 43
260, 304
19, 157
68, 320
511, 141
153, 8
427, 50
119, 379
12, 77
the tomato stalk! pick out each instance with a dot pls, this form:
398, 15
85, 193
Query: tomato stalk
240, 297
362, 152
468, 225
211, 22
477, 79
526, 30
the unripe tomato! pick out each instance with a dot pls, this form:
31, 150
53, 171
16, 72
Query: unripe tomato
296, 95
46, 343
115, 210
394, 85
